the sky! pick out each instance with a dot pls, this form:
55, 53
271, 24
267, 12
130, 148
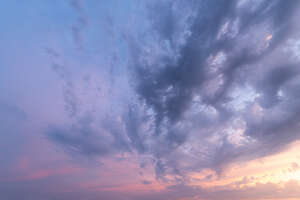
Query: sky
150, 100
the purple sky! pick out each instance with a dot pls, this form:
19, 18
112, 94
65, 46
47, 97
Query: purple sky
150, 100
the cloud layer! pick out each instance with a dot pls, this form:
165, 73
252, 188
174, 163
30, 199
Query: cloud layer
149, 100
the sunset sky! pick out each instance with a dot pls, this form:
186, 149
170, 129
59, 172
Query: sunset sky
150, 100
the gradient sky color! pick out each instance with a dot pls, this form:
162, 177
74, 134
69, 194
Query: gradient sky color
150, 100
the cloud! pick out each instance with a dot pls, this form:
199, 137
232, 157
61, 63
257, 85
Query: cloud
81, 23
290, 190
176, 99
59, 66
82, 138
145, 182
188, 81
212, 83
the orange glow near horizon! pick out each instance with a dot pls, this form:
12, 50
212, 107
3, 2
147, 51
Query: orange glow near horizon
277, 169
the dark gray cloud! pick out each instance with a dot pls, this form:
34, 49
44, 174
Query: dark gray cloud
170, 89
224, 47
201, 72
180, 86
